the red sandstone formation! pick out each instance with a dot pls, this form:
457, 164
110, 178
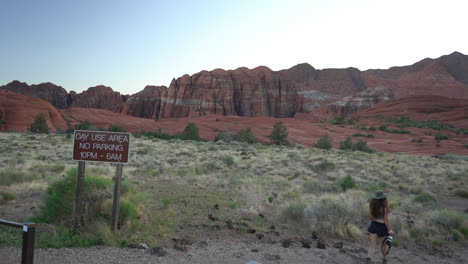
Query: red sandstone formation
299, 91
20, 111
146, 103
101, 97
56, 95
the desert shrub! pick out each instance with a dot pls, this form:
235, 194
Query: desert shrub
2, 122
325, 142
453, 157
59, 202
228, 160
424, 198
363, 135
447, 220
45, 170
347, 183
338, 121
84, 126
441, 136
225, 136
334, 215
461, 192
294, 211
279, 134
417, 140
416, 233
246, 135
456, 235
190, 133
40, 125
325, 165
11, 176
158, 134
7, 196
116, 128
346, 144
362, 146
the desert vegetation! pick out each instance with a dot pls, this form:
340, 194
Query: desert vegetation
170, 185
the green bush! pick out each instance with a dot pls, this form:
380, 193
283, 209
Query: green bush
325, 142
424, 198
294, 211
246, 135
2, 122
362, 146
347, 144
228, 160
40, 125
347, 183
6, 196
190, 133
279, 134
59, 202
363, 135
115, 128
325, 165
225, 136
84, 126
441, 136
416, 233
158, 134
417, 140
338, 121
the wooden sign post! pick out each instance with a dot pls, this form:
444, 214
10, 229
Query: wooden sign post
99, 146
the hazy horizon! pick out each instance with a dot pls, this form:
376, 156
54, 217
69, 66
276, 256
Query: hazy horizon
126, 46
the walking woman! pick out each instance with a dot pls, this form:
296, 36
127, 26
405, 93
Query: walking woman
380, 226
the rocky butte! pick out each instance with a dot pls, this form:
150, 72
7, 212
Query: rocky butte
301, 91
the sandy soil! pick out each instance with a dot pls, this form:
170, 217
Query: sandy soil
222, 251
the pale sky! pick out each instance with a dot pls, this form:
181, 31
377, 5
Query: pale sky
130, 44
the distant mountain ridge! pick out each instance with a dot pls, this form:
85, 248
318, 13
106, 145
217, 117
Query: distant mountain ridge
258, 92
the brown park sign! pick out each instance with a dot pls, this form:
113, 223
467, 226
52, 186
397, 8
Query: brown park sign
101, 146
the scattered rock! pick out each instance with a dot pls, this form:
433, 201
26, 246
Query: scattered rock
138, 245
321, 244
253, 262
306, 243
251, 231
260, 236
261, 215
216, 207
286, 243
202, 244
338, 244
185, 241
181, 248
272, 227
254, 250
238, 255
272, 257
229, 224
158, 251
215, 227
314, 235
342, 250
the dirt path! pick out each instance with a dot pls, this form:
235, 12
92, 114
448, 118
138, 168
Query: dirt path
230, 253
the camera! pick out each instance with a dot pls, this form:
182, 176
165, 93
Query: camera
389, 240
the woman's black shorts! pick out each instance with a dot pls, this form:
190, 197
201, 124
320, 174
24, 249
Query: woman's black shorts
378, 228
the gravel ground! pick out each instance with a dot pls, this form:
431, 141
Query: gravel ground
229, 253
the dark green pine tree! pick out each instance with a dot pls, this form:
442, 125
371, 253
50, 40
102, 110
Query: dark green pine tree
40, 124
279, 134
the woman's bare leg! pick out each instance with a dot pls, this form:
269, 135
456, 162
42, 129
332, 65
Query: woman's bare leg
381, 239
371, 250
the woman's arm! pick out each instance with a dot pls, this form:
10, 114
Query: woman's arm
386, 220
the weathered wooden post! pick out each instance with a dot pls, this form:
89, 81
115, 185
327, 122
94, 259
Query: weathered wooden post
116, 202
79, 195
